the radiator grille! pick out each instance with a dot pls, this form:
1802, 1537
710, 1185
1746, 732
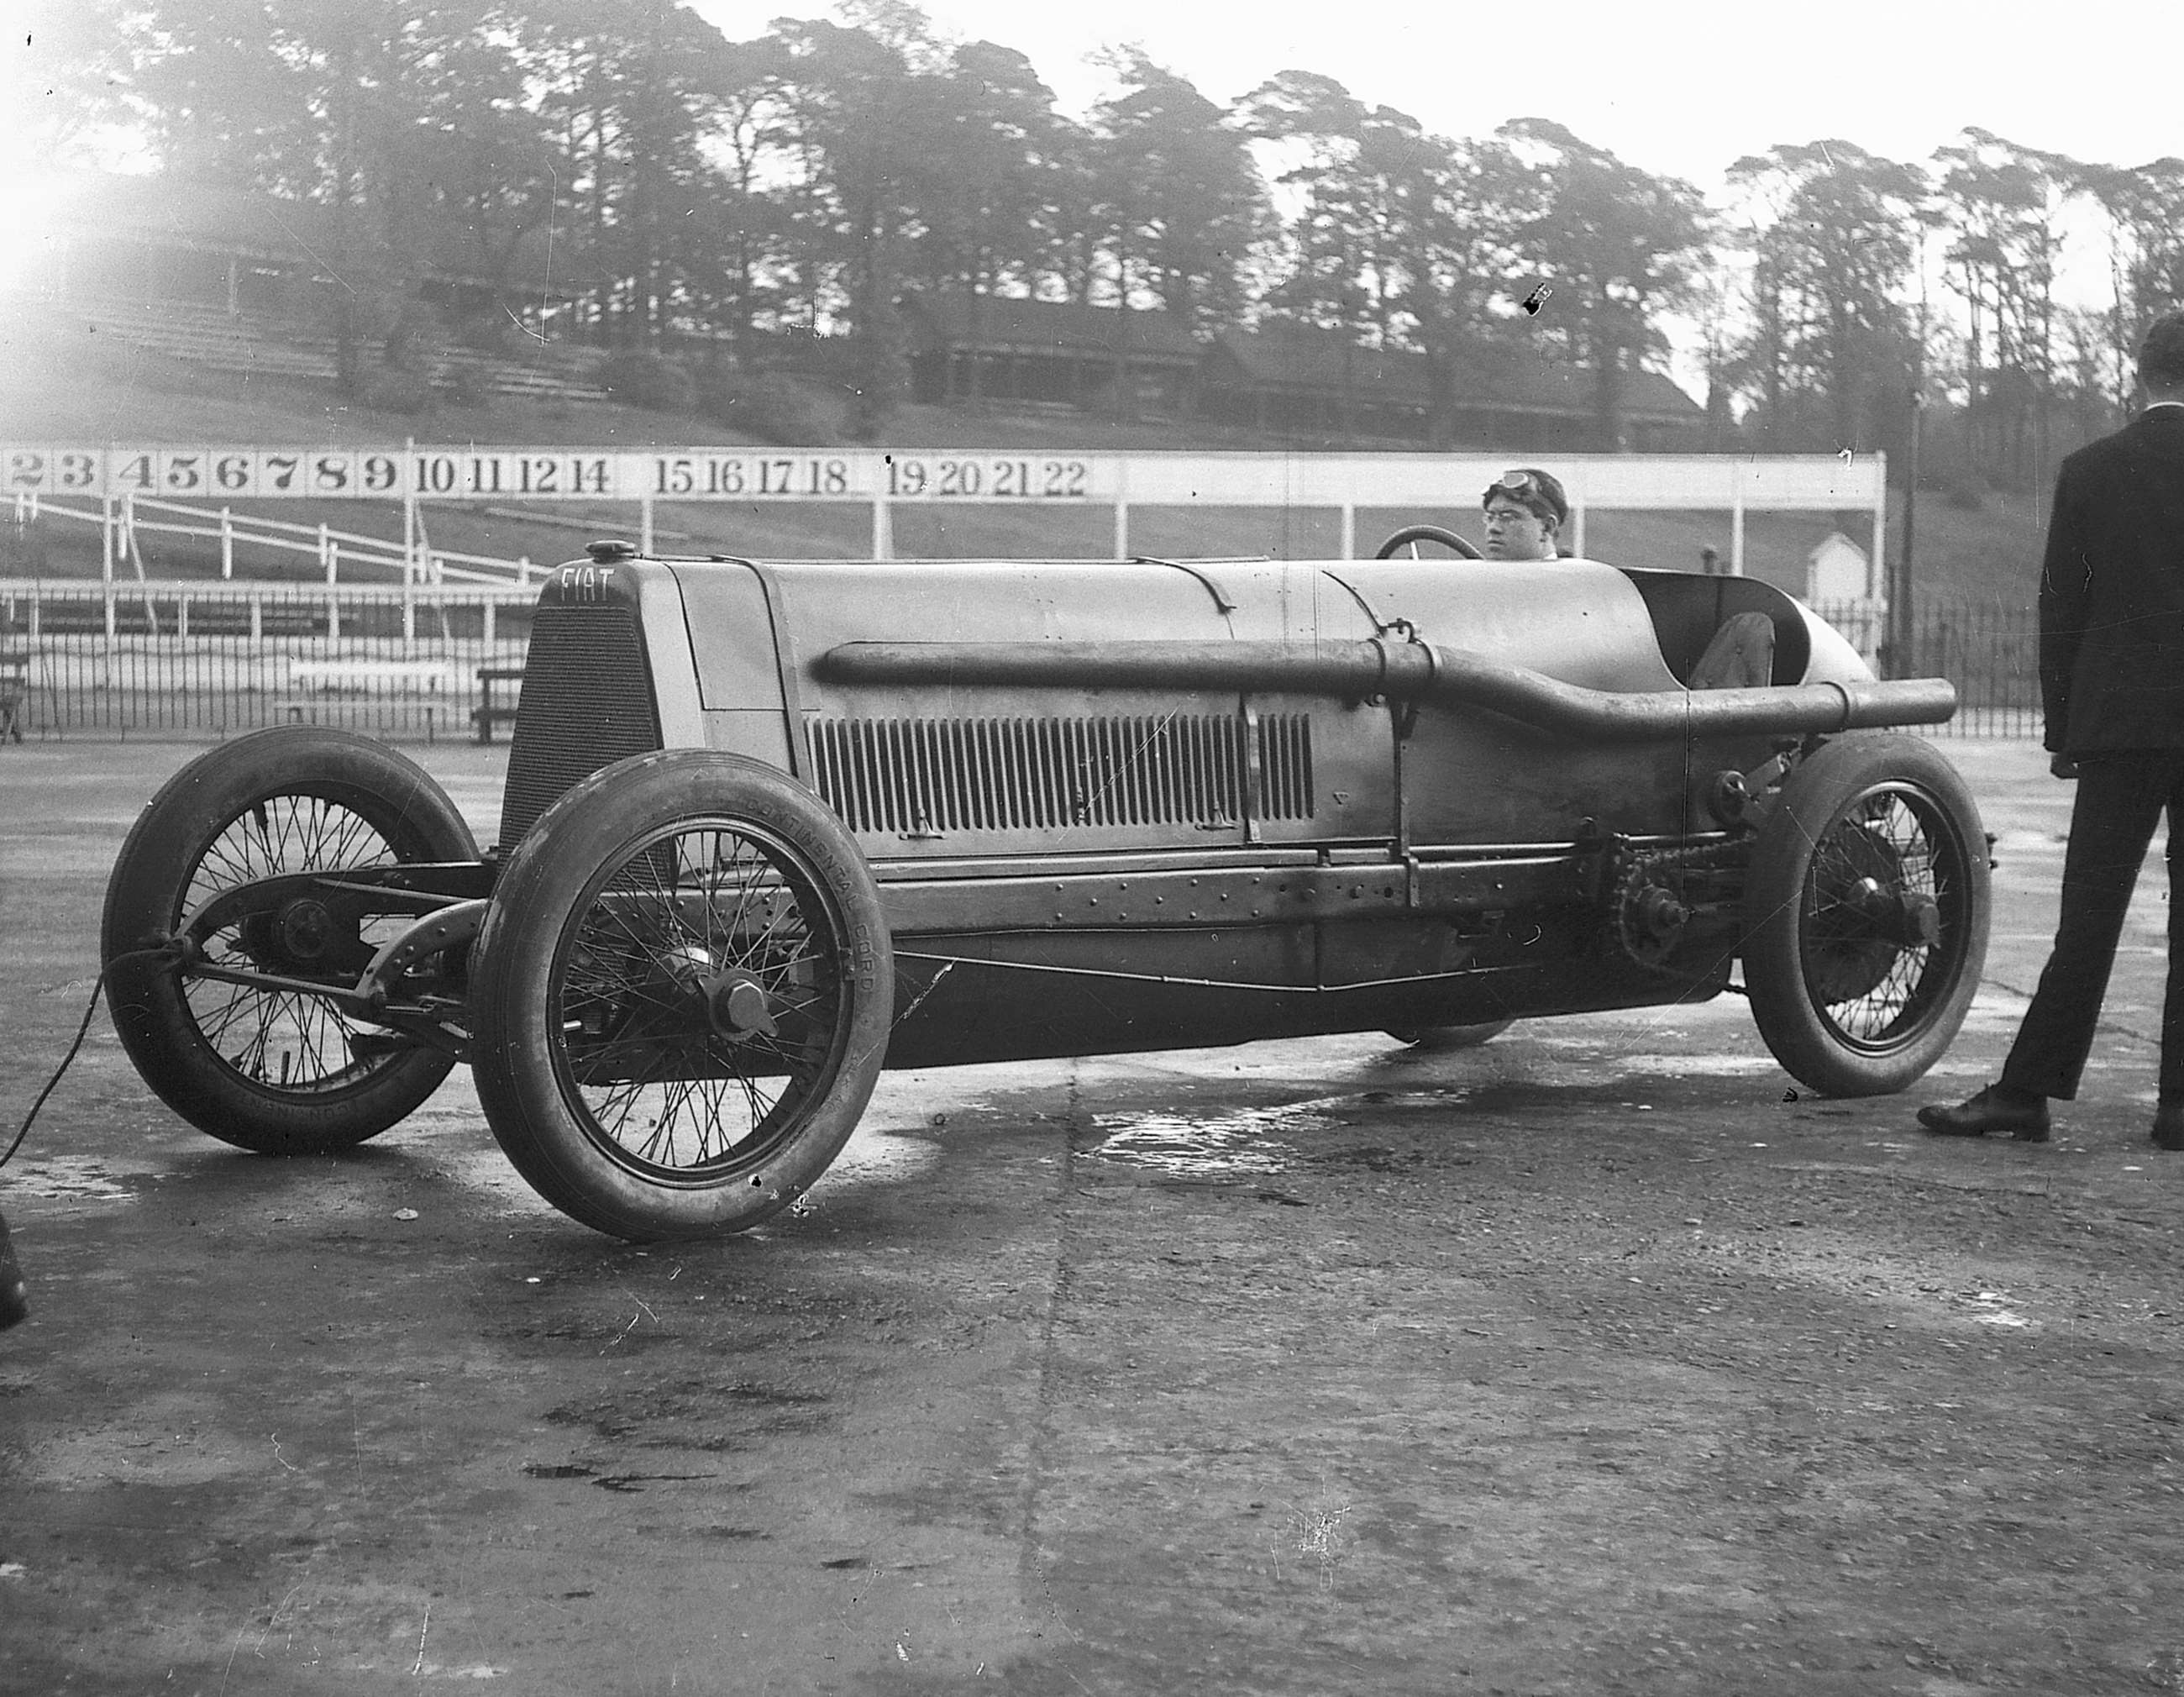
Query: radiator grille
586, 702
937, 777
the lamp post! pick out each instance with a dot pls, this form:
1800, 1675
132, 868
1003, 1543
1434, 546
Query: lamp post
1901, 663
1899, 600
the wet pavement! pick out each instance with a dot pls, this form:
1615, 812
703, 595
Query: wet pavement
1594, 1359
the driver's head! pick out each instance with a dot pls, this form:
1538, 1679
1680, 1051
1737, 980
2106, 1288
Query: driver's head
1525, 509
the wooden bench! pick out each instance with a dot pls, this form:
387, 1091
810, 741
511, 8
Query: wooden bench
331, 691
15, 689
489, 712
373, 677
353, 712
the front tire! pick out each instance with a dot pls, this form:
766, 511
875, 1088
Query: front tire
273, 1071
682, 995
1866, 915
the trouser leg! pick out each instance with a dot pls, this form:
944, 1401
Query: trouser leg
2172, 1005
2119, 800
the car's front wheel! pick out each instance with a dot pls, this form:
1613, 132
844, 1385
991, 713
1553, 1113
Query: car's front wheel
1866, 915
681, 996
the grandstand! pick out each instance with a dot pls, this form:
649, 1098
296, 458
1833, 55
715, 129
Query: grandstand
244, 344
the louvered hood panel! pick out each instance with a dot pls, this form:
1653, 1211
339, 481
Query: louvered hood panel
919, 778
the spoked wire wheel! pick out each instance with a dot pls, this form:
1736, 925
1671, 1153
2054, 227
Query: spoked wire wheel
681, 996
283, 1040
1884, 914
1867, 915
699, 999
268, 1069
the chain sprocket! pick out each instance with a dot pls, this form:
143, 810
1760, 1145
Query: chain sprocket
1658, 892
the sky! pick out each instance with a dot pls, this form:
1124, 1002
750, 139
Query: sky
1679, 90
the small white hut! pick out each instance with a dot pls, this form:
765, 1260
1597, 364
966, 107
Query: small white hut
1839, 571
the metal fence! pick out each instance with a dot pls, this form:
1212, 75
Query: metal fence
1989, 650
209, 665
407, 668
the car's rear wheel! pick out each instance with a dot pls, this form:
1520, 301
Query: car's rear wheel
276, 1070
1866, 915
681, 997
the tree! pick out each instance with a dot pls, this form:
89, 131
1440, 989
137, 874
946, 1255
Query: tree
747, 137
1827, 269
1333, 275
1184, 203
57, 79
1337, 272
981, 190
1619, 247
2144, 205
1462, 213
1401, 236
483, 159
2003, 201
627, 84
861, 111
1066, 215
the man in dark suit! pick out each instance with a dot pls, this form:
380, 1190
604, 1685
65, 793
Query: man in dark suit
2112, 682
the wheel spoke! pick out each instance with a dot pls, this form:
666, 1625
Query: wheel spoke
663, 1089
1872, 987
284, 1041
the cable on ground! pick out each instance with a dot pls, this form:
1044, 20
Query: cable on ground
168, 951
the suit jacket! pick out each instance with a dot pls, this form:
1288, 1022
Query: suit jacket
2111, 592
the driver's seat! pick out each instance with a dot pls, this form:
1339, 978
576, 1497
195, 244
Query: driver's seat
1739, 656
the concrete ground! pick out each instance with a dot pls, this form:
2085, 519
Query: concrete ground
1595, 1361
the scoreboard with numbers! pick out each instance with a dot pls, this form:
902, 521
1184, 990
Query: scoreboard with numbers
202, 473
691, 474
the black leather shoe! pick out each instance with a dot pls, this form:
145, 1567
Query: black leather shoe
2169, 1125
1988, 1112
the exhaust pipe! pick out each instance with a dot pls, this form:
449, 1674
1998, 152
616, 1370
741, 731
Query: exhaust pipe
1412, 671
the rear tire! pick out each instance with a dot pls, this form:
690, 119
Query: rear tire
271, 1071
681, 997
1866, 915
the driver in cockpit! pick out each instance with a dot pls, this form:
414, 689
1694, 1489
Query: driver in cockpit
1525, 509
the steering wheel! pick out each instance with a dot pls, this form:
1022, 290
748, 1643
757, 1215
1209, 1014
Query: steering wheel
1411, 534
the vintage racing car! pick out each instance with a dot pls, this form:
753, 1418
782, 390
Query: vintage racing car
769, 828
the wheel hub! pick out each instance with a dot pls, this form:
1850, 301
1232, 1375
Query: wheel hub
738, 1006
1910, 918
306, 930
1870, 918
301, 936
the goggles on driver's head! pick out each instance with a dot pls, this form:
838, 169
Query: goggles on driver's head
1526, 489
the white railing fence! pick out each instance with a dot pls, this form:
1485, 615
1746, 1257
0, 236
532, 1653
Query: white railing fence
124, 521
